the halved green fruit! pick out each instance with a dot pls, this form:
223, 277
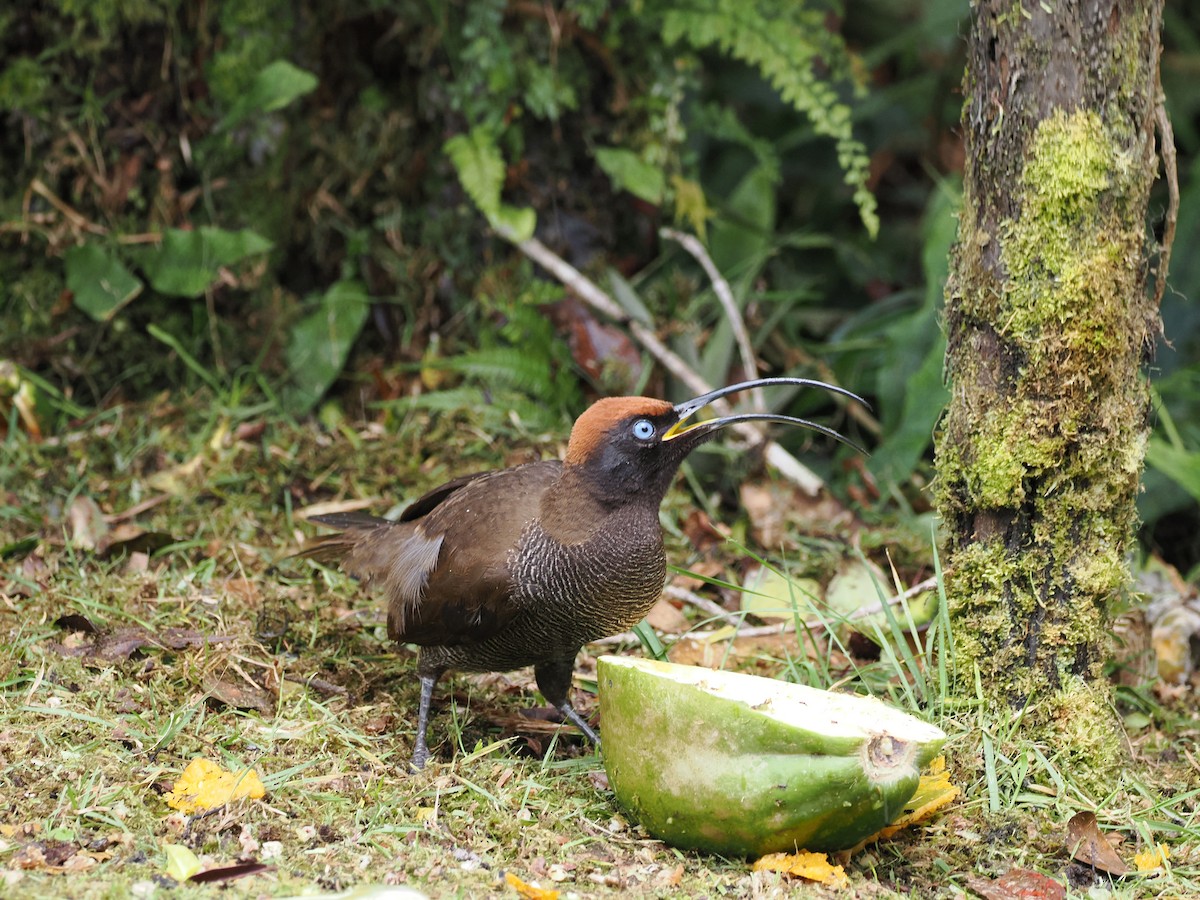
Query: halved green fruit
743, 766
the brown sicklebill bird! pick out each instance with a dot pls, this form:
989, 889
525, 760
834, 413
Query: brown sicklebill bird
523, 566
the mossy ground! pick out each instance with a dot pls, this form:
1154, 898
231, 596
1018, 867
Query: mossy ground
218, 645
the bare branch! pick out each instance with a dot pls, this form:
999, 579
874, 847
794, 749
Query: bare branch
778, 628
725, 296
587, 290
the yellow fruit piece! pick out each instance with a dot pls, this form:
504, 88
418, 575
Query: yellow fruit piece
933, 792
1151, 858
205, 785
529, 891
813, 866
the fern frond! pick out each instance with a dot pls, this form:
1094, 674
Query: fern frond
785, 40
507, 366
480, 167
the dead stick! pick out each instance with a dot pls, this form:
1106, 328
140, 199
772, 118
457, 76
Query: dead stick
725, 297
587, 290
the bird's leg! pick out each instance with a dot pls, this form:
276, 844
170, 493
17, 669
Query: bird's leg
554, 681
421, 750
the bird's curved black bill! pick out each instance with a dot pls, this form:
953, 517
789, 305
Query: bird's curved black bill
698, 429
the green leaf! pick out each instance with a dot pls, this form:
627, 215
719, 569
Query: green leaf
187, 262
1180, 465
274, 87
515, 223
629, 172
650, 640
910, 386
100, 283
741, 245
321, 342
627, 297
480, 168
182, 863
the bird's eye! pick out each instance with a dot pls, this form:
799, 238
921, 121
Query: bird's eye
643, 429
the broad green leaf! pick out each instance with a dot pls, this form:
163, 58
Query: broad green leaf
187, 262
182, 863
629, 172
1180, 465
273, 88
515, 223
910, 388
627, 297
741, 243
321, 342
100, 284
769, 594
741, 236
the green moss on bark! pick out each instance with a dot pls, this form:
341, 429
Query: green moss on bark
1048, 321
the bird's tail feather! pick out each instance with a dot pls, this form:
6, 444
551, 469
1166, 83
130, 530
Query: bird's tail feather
330, 548
349, 521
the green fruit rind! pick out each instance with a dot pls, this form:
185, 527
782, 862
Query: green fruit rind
744, 766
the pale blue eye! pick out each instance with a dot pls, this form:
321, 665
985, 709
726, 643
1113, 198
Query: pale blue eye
643, 429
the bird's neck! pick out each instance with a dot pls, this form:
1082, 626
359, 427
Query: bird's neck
573, 508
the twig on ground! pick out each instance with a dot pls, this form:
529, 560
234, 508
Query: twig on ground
714, 610
735, 619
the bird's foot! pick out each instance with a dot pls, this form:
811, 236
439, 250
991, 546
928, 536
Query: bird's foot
579, 722
420, 755
419, 758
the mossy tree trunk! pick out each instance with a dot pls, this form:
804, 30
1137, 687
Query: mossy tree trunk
1049, 323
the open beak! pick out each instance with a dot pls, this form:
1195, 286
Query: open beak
699, 429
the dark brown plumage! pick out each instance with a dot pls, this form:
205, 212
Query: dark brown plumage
499, 570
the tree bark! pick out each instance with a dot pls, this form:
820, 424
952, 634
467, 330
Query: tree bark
1049, 323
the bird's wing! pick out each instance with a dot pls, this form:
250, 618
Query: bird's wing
424, 505
469, 595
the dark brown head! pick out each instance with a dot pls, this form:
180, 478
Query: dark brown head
629, 448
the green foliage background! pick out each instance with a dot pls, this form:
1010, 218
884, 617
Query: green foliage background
288, 201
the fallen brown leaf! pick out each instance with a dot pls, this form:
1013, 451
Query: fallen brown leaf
88, 527
76, 622
239, 694
1017, 884
229, 873
129, 538
124, 642
701, 532
604, 351
1089, 846
663, 616
766, 505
